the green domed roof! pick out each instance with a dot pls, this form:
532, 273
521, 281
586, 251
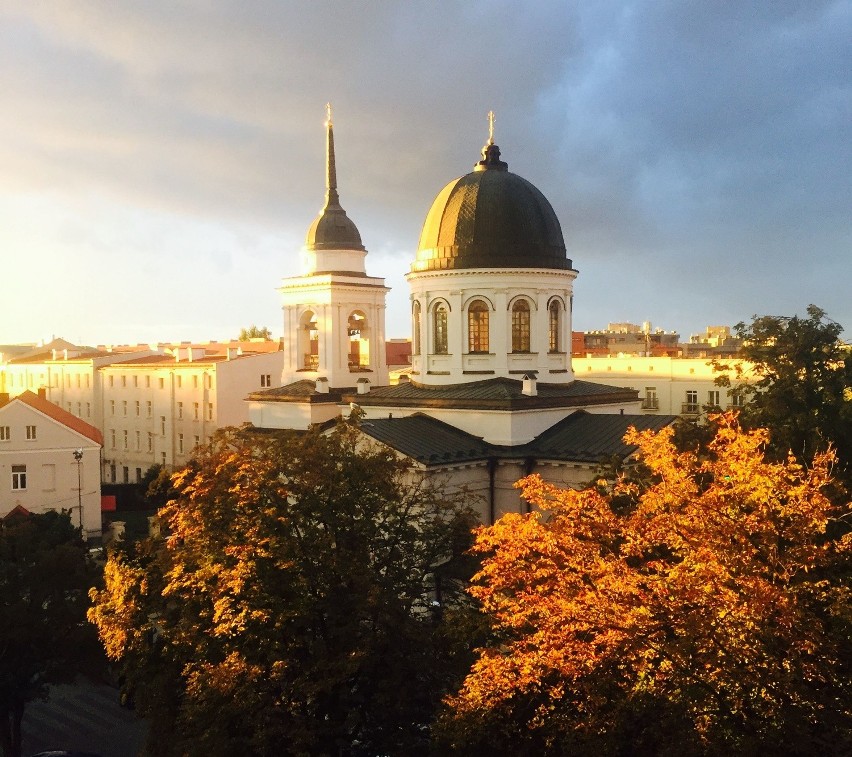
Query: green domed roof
490, 218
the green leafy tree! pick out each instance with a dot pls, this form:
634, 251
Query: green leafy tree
44, 639
292, 609
254, 332
801, 385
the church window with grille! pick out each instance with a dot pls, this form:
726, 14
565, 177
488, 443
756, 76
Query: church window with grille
477, 327
521, 326
553, 313
439, 317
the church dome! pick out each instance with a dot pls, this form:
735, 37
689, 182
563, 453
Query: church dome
490, 218
332, 229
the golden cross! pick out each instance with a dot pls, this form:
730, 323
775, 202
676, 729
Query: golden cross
490, 127
328, 114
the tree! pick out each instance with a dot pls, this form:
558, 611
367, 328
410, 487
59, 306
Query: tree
44, 639
292, 609
706, 613
253, 332
802, 391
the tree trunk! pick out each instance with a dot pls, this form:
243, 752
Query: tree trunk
10, 729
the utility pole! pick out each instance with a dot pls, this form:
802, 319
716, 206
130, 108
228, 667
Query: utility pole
78, 456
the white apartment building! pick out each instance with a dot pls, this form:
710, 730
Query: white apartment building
666, 385
153, 405
157, 409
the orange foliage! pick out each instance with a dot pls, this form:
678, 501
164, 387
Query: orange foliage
713, 592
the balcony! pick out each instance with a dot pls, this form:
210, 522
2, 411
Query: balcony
650, 403
690, 408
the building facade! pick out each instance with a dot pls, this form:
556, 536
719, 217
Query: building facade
49, 460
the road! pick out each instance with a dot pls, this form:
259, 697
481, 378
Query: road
84, 716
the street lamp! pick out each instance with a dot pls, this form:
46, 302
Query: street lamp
78, 456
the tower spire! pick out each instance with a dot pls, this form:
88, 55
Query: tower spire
331, 196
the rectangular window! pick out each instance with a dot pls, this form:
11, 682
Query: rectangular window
265, 380
197, 440
112, 438
195, 410
112, 473
125, 439
163, 458
136, 384
5, 434
138, 441
78, 380
31, 433
112, 407
69, 407
195, 382
125, 472
651, 402
138, 475
713, 398
162, 382
737, 399
162, 425
690, 407
150, 442
137, 408
209, 411
48, 477
79, 409
180, 443
110, 380
179, 381
180, 410
19, 477
124, 380
147, 382
124, 407
88, 409
148, 408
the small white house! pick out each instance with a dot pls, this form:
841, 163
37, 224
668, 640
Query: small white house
49, 460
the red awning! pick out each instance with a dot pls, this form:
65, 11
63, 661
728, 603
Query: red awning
108, 503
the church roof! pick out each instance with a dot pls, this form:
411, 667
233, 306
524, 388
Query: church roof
491, 218
299, 391
494, 394
580, 437
332, 229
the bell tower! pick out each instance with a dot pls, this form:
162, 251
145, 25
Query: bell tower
334, 313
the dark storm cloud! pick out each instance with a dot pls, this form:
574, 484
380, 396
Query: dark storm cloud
698, 154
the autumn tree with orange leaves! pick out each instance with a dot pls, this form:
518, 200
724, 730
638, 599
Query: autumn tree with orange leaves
707, 612
292, 607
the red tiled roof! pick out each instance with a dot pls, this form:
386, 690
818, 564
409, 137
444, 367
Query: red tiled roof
60, 415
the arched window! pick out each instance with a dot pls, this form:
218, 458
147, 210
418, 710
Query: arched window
477, 327
309, 341
359, 342
415, 328
521, 326
553, 313
439, 329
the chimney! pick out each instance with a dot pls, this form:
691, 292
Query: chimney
363, 385
529, 386
321, 385
42, 392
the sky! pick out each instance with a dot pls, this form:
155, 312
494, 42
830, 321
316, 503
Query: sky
161, 162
